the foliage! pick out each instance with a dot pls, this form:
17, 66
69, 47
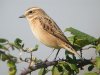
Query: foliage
68, 66
80, 39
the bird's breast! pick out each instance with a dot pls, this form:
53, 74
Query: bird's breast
43, 36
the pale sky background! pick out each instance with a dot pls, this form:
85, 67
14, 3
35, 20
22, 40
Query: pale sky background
83, 15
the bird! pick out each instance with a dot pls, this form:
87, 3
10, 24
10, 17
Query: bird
46, 30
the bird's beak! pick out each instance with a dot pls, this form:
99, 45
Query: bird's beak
22, 16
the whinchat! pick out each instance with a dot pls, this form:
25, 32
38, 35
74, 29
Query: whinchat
46, 30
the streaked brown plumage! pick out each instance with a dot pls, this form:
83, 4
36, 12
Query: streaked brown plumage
46, 30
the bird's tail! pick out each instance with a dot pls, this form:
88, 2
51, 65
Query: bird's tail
72, 50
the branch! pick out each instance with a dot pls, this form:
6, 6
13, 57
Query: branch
8, 56
46, 64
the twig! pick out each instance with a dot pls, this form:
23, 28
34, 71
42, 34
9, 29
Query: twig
51, 63
11, 58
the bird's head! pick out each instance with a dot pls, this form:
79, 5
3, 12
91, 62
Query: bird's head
32, 12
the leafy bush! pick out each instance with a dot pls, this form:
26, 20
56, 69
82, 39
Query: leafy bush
67, 66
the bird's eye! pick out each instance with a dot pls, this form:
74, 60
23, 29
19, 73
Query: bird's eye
30, 12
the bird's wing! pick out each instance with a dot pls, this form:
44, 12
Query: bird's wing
51, 27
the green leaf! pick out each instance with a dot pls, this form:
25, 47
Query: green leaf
73, 66
11, 64
66, 67
36, 48
12, 67
70, 60
18, 43
60, 68
67, 56
91, 73
13, 46
97, 41
55, 71
3, 57
3, 47
82, 42
97, 62
71, 39
81, 39
12, 71
2, 40
98, 48
18, 40
65, 73
80, 34
42, 71
90, 68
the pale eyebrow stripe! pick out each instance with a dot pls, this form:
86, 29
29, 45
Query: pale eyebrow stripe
33, 8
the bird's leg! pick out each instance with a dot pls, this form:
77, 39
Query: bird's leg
57, 54
49, 55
